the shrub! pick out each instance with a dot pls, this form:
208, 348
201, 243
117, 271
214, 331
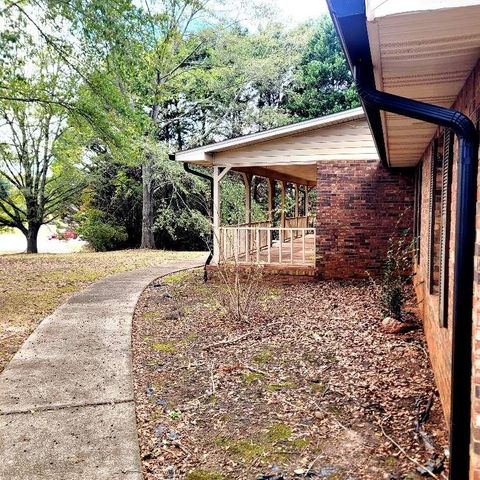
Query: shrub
102, 235
396, 274
242, 288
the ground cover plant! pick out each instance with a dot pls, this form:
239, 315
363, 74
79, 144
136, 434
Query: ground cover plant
309, 387
32, 286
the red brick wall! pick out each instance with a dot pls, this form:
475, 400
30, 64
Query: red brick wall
360, 205
439, 338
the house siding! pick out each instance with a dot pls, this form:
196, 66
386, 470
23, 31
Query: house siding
345, 141
360, 206
439, 338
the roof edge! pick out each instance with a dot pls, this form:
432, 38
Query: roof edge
278, 132
350, 22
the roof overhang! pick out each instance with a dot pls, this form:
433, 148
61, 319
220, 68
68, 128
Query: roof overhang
290, 153
205, 155
420, 50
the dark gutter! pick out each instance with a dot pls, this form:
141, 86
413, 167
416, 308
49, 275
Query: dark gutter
343, 13
209, 178
350, 22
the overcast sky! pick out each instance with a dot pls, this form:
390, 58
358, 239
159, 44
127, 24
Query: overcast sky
299, 10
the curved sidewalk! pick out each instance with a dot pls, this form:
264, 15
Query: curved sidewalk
66, 399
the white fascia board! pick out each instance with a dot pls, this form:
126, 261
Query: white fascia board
376, 9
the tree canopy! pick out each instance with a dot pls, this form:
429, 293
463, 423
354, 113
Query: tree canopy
95, 94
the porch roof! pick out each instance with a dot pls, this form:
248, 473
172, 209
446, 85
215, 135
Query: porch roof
291, 152
421, 50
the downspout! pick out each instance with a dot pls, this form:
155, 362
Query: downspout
461, 368
188, 169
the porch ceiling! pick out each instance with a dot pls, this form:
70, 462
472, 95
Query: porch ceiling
422, 50
301, 174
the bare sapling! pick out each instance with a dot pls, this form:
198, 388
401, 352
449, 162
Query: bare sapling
242, 284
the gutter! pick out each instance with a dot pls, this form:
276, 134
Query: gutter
188, 169
461, 369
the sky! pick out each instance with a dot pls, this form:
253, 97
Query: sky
298, 11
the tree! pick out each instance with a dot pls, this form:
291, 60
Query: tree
155, 78
322, 82
40, 183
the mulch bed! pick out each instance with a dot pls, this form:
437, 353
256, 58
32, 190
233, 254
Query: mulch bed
309, 388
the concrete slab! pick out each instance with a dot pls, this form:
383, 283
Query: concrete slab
66, 398
83, 443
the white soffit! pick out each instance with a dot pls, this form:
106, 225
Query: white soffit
423, 50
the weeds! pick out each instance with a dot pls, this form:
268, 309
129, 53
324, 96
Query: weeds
242, 289
397, 273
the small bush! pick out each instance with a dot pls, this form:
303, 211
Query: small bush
396, 274
242, 289
101, 234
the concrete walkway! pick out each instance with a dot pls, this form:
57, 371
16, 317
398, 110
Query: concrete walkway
66, 398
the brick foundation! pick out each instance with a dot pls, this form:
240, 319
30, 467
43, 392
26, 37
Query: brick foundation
360, 205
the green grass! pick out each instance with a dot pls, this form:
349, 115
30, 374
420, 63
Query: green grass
272, 445
263, 357
167, 347
198, 474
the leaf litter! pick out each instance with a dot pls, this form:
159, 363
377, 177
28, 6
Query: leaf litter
310, 388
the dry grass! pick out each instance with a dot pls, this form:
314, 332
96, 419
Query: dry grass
32, 286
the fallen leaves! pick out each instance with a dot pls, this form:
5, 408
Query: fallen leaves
312, 363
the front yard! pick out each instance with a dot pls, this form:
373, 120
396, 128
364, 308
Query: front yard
310, 388
32, 286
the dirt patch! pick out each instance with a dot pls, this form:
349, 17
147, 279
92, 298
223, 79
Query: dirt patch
302, 394
32, 286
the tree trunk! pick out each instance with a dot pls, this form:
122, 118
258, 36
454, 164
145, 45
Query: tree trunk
148, 240
32, 237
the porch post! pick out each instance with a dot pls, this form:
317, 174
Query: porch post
218, 174
296, 202
271, 189
216, 214
282, 211
305, 189
247, 180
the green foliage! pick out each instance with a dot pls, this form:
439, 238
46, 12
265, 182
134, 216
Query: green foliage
278, 432
322, 83
174, 414
199, 474
115, 189
168, 348
101, 234
145, 82
233, 201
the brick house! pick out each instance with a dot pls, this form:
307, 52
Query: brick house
407, 159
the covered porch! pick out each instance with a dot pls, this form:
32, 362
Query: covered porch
286, 234
286, 160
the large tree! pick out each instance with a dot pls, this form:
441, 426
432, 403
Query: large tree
322, 82
39, 180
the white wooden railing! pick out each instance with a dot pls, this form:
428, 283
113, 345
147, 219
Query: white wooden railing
260, 243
